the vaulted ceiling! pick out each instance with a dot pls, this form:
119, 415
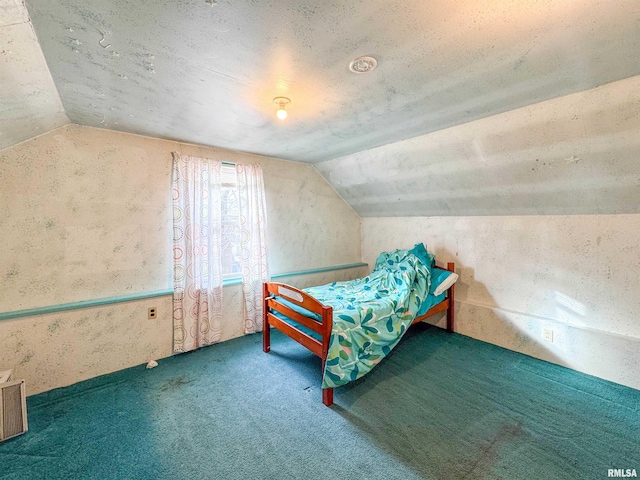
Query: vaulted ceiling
206, 72
29, 102
577, 154
477, 107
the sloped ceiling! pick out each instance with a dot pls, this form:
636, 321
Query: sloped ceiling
202, 73
29, 102
578, 154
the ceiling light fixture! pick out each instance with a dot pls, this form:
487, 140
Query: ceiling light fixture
363, 64
282, 102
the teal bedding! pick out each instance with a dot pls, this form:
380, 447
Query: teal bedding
371, 314
431, 301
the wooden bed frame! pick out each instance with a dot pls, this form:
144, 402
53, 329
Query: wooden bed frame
322, 328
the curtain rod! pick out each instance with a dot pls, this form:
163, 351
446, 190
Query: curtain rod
177, 154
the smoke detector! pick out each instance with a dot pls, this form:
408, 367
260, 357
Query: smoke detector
363, 64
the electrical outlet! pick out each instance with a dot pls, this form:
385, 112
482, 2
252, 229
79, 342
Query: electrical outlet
152, 313
547, 335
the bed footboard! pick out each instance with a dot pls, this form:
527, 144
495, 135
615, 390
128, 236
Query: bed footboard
272, 292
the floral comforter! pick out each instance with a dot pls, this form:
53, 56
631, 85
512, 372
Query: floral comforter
371, 314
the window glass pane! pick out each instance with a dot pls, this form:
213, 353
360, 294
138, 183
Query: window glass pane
230, 224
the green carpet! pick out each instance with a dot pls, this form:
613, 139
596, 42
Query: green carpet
441, 406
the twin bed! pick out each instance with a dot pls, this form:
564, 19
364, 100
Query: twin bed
352, 325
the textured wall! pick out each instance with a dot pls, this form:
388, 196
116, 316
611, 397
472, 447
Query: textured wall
576, 154
519, 274
60, 349
85, 213
29, 101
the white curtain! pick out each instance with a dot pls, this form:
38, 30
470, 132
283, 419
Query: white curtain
197, 291
253, 239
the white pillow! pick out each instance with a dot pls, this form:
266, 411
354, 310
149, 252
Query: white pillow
445, 284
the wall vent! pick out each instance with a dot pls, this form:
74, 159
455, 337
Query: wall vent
13, 409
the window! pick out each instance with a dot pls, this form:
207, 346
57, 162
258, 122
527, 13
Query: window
231, 261
240, 253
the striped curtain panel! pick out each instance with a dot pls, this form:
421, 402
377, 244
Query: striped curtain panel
197, 265
253, 238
